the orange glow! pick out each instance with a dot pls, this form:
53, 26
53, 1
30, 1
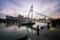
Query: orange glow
55, 17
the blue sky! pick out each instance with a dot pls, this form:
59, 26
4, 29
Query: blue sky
16, 7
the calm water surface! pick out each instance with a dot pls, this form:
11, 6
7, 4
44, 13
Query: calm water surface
14, 31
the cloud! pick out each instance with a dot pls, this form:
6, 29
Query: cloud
2, 4
16, 7
49, 1
16, 2
51, 7
2, 15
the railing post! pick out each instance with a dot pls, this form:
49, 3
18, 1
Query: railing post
37, 30
48, 25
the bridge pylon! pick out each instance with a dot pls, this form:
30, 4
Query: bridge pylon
31, 12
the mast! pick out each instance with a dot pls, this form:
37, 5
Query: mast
31, 11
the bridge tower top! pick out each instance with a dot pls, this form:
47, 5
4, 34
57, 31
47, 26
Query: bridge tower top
31, 12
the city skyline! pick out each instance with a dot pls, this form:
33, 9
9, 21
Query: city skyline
22, 7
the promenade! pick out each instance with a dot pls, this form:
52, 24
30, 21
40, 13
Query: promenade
46, 34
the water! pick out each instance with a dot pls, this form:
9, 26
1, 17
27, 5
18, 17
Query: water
14, 31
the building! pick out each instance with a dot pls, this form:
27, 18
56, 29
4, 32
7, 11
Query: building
9, 17
19, 18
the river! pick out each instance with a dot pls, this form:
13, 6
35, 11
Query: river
14, 31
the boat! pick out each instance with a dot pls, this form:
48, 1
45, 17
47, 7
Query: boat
28, 23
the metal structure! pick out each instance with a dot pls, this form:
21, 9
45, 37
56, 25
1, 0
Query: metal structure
31, 11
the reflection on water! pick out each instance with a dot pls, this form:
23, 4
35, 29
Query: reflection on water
13, 31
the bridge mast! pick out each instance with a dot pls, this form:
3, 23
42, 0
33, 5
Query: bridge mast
31, 11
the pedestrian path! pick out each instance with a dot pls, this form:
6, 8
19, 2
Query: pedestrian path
46, 34
41, 35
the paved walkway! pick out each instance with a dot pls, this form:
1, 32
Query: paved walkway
41, 35
45, 34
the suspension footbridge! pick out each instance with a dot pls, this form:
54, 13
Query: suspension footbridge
31, 18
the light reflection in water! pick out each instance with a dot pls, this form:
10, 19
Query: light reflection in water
13, 31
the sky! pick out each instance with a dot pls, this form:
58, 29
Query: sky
22, 7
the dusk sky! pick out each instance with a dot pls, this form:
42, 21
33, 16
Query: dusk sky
16, 7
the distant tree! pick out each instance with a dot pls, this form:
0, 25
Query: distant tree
55, 22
